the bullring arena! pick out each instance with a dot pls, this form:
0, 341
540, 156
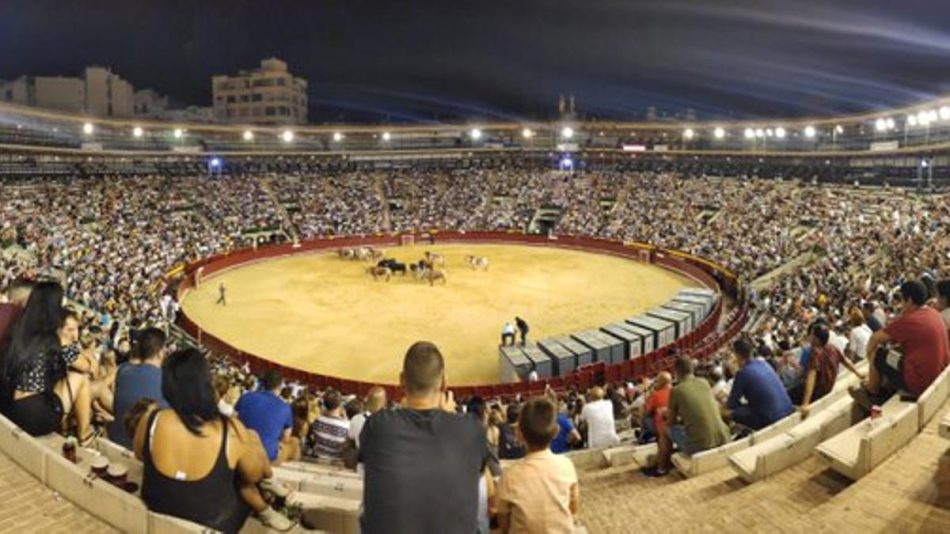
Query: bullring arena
323, 314
736, 324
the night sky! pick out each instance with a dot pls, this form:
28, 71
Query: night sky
424, 60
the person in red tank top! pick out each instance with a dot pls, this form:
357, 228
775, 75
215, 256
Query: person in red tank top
922, 336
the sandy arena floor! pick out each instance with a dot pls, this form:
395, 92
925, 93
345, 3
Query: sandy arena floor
323, 314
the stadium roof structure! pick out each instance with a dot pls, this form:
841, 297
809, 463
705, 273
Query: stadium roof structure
913, 129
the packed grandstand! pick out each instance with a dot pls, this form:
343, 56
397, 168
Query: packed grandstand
828, 270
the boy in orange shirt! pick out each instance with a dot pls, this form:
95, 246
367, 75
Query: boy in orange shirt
538, 494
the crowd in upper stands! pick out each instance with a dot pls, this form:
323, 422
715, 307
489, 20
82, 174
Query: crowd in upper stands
848, 273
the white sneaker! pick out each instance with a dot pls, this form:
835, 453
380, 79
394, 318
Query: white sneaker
275, 520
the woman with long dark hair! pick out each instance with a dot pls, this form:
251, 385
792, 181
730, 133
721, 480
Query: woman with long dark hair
44, 369
200, 465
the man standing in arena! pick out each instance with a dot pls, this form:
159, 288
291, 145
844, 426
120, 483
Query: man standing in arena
423, 461
221, 295
523, 329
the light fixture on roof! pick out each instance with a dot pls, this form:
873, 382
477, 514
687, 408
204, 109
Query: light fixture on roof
923, 118
769, 132
911, 120
386, 136
475, 134
248, 135
337, 137
88, 128
287, 136
178, 133
760, 133
138, 131
567, 132
719, 133
780, 132
944, 112
688, 134
880, 125
527, 133
749, 133
839, 129
810, 131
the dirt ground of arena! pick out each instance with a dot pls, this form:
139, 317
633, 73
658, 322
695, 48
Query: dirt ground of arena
323, 314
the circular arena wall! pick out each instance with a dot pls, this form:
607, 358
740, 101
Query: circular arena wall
702, 341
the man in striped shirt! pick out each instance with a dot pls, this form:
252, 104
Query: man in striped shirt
330, 430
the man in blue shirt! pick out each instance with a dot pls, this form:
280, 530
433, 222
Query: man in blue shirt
139, 378
756, 382
567, 435
267, 414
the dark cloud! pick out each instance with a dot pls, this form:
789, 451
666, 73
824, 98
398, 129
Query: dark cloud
427, 60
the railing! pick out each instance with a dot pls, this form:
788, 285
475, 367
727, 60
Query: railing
702, 342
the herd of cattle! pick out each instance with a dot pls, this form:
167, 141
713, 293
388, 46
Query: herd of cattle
430, 268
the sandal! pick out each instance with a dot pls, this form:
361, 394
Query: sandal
90, 438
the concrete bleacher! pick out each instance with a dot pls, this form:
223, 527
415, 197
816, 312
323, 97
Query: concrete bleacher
856, 451
788, 445
333, 509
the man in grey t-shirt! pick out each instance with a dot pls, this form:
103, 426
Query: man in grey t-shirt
423, 461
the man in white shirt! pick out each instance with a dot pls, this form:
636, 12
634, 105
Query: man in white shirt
599, 415
837, 340
860, 334
375, 401
508, 334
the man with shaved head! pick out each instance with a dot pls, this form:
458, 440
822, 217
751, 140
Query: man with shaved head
423, 461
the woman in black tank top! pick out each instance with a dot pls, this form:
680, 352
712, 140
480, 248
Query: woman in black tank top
223, 498
213, 501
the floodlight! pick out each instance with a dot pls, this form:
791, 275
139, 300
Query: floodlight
780, 132
475, 134
944, 112
810, 131
719, 133
911, 121
749, 133
138, 131
337, 137
688, 133
567, 132
178, 133
527, 133
88, 128
248, 135
386, 136
287, 136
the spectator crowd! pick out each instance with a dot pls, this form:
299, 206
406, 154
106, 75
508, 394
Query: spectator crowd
841, 275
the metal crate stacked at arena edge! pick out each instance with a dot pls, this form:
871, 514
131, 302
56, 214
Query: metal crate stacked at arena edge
559, 356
